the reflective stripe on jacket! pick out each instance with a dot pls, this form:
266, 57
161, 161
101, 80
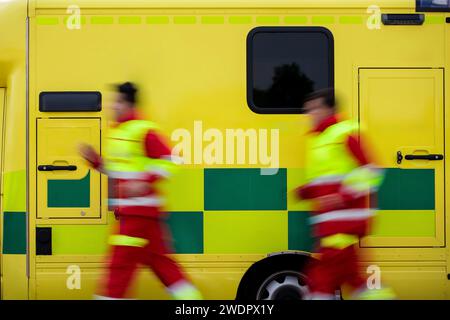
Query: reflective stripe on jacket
126, 159
332, 169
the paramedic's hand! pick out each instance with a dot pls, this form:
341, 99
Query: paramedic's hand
135, 188
88, 153
298, 193
329, 202
116, 214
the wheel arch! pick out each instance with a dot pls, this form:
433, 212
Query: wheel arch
273, 261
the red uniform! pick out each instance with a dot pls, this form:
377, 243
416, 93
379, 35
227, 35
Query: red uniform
141, 222
336, 265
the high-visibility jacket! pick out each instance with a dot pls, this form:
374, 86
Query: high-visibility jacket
126, 159
330, 169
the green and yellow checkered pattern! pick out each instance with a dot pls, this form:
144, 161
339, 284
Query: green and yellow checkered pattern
242, 211
230, 210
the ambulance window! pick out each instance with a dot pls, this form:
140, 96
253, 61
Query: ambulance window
70, 101
433, 5
286, 63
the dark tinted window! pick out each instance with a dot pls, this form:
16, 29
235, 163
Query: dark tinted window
285, 64
433, 5
70, 101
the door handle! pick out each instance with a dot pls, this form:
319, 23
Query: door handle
48, 167
424, 157
432, 157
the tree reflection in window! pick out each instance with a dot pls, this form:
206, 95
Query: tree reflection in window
288, 89
285, 64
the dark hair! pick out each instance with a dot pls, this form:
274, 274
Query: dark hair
128, 90
326, 94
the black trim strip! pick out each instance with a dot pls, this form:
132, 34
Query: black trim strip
43, 241
70, 101
397, 19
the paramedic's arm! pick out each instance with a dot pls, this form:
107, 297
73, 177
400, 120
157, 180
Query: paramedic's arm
90, 155
364, 179
155, 148
366, 175
351, 189
302, 193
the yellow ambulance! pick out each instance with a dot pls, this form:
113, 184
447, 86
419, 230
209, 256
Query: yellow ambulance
224, 79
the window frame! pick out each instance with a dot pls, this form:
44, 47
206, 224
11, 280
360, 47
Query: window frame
429, 9
282, 29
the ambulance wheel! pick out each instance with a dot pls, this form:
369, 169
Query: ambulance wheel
277, 277
283, 285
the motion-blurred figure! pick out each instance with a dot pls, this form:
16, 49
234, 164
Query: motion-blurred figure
135, 160
339, 180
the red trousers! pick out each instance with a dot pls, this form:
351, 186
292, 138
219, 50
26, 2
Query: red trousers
334, 268
124, 260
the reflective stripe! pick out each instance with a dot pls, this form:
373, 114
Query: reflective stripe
363, 179
356, 193
123, 240
342, 215
127, 175
385, 293
137, 175
320, 296
326, 180
183, 290
174, 159
98, 297
339, 241
137, 201
160, 172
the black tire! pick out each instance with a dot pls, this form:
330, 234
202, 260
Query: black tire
254, 285
274, 280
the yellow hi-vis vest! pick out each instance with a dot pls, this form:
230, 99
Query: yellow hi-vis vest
125, 158
328, 160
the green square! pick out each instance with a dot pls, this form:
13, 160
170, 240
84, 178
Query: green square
187, 231
14, 233
69, 193
299, 231
244, 189
407, 189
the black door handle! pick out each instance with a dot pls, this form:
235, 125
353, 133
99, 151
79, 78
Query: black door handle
424, 157
48, 167
432, 157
